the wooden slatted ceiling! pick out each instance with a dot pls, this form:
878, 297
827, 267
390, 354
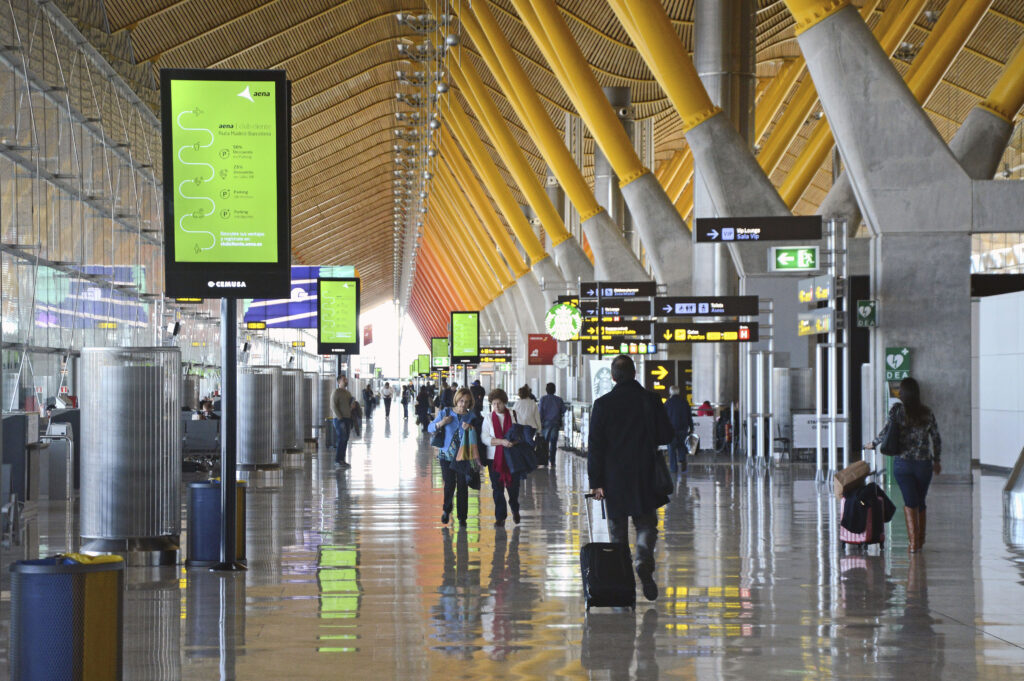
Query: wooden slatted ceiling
341, 57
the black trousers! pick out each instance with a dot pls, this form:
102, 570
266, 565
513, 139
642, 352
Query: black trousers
498, 492
387, 407
454, 485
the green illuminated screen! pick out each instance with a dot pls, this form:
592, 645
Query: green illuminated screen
423, 364
224, 137
339, 311
465, 334
439, 352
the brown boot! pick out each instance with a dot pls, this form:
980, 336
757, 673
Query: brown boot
921, 523
911, 516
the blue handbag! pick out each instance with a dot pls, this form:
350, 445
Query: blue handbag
519, 457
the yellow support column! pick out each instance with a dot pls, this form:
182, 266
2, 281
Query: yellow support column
465, 178
503, 63
553, 37
1007, 97
468, 80
462, 216
494, 182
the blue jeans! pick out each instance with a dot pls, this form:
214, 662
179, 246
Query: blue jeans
676, 455
913, 477
341, 427
551, 437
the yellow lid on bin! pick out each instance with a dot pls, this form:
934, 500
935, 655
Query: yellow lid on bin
92, 560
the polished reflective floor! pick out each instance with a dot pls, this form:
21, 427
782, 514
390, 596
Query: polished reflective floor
352, 575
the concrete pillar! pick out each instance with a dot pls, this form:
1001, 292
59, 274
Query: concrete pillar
724, 56
606, 182
614, 260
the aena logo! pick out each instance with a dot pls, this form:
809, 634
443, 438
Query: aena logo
246, 94
226, 284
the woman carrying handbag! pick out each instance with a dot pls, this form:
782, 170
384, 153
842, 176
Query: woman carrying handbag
496, 430
454, 423
917, 448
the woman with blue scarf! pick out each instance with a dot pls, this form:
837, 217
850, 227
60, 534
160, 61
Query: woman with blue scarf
457, 423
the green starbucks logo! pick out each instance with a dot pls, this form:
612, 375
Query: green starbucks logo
564, 321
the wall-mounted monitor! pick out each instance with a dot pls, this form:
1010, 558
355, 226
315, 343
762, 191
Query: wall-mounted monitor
423, 364
227, 182
465, 330
338, 316
439, 353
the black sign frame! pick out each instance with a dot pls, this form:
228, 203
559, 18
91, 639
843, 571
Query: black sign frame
230, 279
590, 290
323, 348
770, 228
724, 327
703, 306
463, 359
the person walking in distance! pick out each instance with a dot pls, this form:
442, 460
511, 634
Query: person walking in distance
679, 415
920, 452
407, 396
341, 406
551, 410
626, 427
387, 393
495, 436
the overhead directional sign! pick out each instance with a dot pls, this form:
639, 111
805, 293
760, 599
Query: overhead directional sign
571, 300
699, 306
495, 355
659, 375
795, 259
631, 348
718, 332
617, 289
731, 230
815, 322
816, 289
617, 308
641, 331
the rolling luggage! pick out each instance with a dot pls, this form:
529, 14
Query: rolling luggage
607, 571
874, 531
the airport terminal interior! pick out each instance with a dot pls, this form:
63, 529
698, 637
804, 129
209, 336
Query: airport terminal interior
252, 250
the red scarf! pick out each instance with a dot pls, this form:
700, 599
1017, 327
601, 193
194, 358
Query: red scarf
500, 431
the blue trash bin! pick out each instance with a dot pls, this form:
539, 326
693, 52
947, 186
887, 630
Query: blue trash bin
66, 618
203, 546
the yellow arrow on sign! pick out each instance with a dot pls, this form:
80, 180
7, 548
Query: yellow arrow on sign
660, 373
592, 349
668, 335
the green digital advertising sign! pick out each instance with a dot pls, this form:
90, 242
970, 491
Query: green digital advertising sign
465, 337
423, 364
439, 353
226, 153
338, 316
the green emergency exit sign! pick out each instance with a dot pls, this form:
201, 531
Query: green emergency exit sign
793, 259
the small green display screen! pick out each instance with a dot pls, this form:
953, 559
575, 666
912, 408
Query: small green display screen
465, 337
423, 364
338, 316
224, 141
439, 353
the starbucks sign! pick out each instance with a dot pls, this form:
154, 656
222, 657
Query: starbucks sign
563, 321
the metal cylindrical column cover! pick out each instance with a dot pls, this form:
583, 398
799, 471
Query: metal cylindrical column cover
190, 392
724, 55
327, 385
308, 408
255, 425
291, 394
131, 462
276, 400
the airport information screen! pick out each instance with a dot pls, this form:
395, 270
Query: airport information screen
226, 180
338, 315
465, 337
439, 353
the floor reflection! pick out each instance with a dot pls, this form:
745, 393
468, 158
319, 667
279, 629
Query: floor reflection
352, 575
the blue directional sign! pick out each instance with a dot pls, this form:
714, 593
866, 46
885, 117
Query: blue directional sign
735, 230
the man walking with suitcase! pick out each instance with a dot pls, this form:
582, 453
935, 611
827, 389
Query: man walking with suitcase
626, 427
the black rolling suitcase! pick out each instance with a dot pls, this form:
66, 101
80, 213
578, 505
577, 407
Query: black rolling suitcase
607, 570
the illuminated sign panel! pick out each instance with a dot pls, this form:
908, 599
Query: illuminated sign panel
338, 316
495, 355
697, 306
722, 332
227, 156
731, 230
423, 364
465, 337
439, 353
